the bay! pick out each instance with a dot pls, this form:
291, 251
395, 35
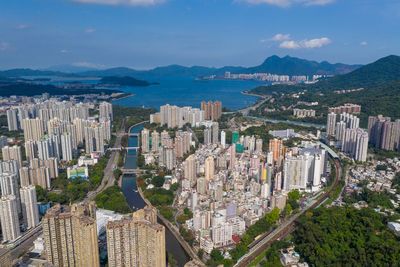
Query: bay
187, 91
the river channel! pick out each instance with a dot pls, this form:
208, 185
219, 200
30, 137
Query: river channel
135, 201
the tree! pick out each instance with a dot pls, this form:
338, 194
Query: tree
158, 181
200, 253
273, 216
216, 255
288, 209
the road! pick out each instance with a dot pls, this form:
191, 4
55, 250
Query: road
111, 166
289, 225
25, 245
262, 100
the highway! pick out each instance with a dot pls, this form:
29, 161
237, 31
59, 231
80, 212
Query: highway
289, 225
262, 100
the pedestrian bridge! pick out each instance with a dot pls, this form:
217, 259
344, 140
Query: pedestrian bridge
121, 148
132, 171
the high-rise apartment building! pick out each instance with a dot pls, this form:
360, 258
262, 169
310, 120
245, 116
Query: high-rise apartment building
105, 110
207, 136
66, 146
276, 147
12, 120
190, 168
232, 160
174, 116
384, 133
33, 129
223, 139
9, 185
136, 241
355, 143
145, 140
29, 205
9, 217
212, 111
330, 125
70, 235
209, 168
215, 132
12, 153
155, 141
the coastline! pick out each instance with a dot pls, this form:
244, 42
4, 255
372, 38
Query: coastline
122, 97
246, 92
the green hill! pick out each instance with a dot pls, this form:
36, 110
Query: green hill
378, 73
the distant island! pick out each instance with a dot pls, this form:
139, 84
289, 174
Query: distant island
123, 81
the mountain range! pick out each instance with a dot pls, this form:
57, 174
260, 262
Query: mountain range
378, 73
276, 65
379, 84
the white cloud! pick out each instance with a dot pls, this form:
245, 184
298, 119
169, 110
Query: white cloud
313, 43
290, 45
90, 30
288, 3
363, 43
280, 3
317, 2
64, 51
120, 2
277, 37
4, 46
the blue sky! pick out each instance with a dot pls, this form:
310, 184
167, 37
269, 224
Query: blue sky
148, 33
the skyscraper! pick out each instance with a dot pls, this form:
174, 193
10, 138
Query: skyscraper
145, 141
66, 146
190, 168
29, 205
215, 132
105, 110
12, 120
12, 153
330, 125
223, 139
209, 168
30, 150
155, 141
212, 111
207, 136
33, 129
259, 145
136, 241
9, 186
355, 143
276, 147
70, 236
9, 217
232, 160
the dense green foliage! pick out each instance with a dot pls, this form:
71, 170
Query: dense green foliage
263, 225
382, 71
113, 199
131, 115
373, 198
346, 237
159, 196
96, 172
293, 196
381, 94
